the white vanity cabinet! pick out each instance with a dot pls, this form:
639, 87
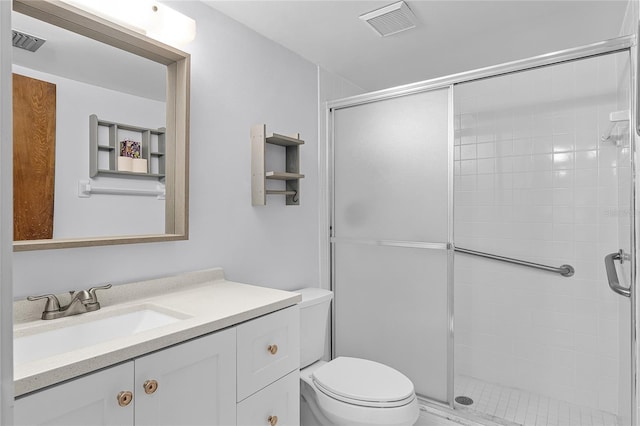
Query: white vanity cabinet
268, 369
89, 400
189, 384
192, 383
247, 375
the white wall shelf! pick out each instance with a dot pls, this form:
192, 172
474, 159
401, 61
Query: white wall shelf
291, 176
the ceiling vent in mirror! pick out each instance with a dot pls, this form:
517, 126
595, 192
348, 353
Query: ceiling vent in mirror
391, 19
26, 41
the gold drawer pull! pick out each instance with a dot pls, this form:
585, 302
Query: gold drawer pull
273, 349
125, 398
150, 386
273, 420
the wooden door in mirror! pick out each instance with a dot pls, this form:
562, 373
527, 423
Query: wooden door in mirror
34, 152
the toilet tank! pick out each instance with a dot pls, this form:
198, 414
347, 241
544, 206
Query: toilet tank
314, 321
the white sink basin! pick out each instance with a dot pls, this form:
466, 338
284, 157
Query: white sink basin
57, 340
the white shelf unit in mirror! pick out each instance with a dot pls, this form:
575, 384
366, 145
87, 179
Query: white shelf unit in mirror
259, 176
104, 139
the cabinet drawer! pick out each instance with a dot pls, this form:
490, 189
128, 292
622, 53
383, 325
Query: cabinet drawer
277, 404
268, 348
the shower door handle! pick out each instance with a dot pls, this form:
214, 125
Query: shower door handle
612, 274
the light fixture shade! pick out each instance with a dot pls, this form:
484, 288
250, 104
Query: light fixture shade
170, 27
391, 19
134, 15
148, 17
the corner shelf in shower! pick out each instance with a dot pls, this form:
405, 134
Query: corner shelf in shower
291, 176
615, 117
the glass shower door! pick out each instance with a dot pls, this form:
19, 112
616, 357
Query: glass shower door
536, 180
390, 235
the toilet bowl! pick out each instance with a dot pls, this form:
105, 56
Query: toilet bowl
346, 391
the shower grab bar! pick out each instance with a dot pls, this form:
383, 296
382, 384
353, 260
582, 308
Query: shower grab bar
564, 270
612, 274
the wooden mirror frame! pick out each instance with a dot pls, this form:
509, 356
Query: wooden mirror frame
177, 126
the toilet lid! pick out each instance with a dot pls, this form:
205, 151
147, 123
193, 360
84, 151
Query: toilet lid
364, 382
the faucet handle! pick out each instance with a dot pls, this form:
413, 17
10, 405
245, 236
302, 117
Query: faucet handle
53, 304
92, 291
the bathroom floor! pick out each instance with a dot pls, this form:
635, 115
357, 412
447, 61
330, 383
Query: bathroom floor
511, 406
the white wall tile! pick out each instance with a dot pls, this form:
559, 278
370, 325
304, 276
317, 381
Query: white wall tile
542, 144
563, 142
563, 161
468, 152
486, 165
586, 159
607, 156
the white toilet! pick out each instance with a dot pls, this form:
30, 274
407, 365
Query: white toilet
346, 391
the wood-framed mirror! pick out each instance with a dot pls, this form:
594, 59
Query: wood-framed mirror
175, 133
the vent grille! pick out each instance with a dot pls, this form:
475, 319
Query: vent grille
391, 19
26, 41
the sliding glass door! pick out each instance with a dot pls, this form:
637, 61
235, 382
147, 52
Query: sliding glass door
543, 174
390, 236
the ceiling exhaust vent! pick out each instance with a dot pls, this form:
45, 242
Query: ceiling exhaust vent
26, 41
391, 19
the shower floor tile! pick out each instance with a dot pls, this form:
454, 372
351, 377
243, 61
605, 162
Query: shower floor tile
509, 406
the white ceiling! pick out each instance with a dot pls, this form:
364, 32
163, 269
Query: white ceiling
452, 36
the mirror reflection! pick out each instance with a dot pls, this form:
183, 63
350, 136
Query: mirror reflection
56, 89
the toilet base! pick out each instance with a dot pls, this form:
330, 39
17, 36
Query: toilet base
307, 416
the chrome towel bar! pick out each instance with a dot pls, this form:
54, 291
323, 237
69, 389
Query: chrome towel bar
564, 270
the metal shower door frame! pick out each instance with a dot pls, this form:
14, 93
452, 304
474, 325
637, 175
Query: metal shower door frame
619, 44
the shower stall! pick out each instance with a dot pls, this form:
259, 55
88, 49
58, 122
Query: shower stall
482, 237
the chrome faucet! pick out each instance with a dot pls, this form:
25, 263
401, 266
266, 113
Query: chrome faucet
81, 301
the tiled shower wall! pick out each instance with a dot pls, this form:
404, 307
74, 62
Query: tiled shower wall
533, 181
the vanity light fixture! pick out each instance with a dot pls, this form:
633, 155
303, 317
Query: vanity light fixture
148, 17
391, 19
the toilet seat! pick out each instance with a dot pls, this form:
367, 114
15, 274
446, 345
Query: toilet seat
364, 383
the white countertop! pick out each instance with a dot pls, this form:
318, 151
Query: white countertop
204, 301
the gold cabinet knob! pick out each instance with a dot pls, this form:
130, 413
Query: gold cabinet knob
273, 349
125, 398
150, 386
273, 420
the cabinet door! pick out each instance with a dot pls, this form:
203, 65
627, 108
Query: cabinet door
268, 348
277, 404
89, 400
196, 383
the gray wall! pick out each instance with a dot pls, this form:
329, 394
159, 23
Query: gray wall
238, 79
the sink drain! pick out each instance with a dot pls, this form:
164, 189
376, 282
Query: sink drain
464, 400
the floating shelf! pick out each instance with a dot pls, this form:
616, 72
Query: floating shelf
291, 176
282, 140
283, 176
